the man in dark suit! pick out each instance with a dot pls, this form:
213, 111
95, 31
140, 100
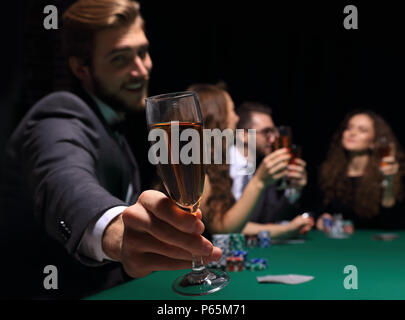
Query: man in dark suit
72, 190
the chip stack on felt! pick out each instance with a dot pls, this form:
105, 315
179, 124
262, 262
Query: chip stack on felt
251, 241
256, 264
234, 252
237, 241
221, 241
264, 239
234, 264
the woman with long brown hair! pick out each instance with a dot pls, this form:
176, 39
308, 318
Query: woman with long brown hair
221, 212
359, 179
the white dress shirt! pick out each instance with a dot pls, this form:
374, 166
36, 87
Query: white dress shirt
237, 171
238, 168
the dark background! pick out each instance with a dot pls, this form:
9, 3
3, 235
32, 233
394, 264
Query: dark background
295, 57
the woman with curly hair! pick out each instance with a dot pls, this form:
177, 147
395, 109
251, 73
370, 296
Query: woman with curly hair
360, 182
221, 212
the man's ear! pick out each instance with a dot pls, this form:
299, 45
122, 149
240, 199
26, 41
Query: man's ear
79, 68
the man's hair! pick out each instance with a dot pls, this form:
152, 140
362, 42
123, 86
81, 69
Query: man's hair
245, 111
85, 18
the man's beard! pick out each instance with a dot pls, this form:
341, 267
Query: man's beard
113, 100
259, 158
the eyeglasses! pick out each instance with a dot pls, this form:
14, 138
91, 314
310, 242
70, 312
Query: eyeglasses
268, 132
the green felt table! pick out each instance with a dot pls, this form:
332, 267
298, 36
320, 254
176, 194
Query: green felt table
380, 270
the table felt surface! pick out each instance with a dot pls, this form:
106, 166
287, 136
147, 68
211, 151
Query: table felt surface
380, 272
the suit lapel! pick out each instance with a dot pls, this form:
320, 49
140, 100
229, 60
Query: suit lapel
124, 146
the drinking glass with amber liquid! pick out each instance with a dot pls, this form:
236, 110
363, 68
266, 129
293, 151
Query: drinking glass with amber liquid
283, 140
296, 153
383, 148
176, 118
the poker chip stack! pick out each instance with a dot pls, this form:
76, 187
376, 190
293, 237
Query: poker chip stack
240, 253
234, 264
327, 224
264, 239
237, 241
348, 227
221, 241
256, 264
234, 253
251, 241
337, 226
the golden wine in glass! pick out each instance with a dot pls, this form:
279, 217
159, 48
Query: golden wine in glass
176, 118
283, 140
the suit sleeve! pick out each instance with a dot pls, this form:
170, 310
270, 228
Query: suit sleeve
59, 152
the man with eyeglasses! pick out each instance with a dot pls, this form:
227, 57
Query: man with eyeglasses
274, 205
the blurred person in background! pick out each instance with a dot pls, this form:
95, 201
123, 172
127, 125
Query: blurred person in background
275, 204
362, 177
222, 213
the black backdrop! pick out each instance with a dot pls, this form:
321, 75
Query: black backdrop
296, 57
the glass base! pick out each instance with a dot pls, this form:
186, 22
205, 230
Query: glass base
198, 283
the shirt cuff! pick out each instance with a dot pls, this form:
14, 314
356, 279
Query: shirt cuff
91, 243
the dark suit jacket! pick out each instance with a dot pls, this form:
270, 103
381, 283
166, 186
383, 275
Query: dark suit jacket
273, 206
64, 168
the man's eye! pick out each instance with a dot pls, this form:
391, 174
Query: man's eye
119, 59
142, 53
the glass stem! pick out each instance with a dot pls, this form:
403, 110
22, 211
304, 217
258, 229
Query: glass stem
198, 264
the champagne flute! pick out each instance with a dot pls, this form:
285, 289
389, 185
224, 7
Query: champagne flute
178, 115
283, 140
383, 150
296, 153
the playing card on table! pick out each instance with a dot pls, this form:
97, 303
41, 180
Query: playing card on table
294, 241
286, 279
386, 236
289, 241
